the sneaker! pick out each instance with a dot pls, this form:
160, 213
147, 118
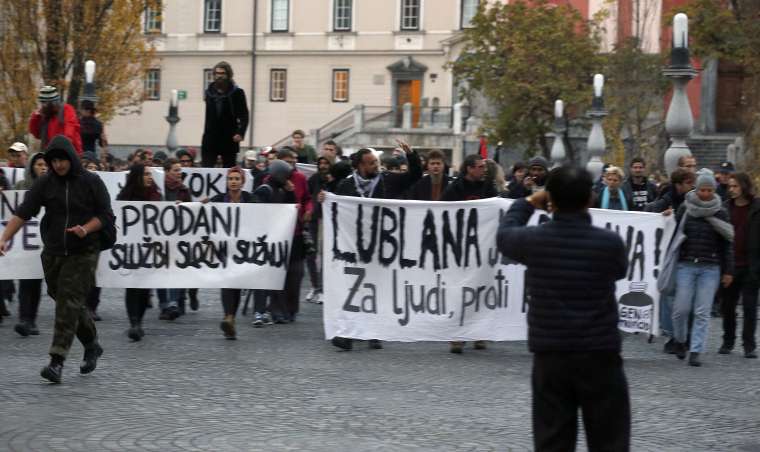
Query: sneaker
52, 372
194, 304
90, 360
33, 330
310, 296
479, 345
172, 312
267, 318
258, 320
280, 320
22, 328
318, 297
228, 327
342, 343
164, 315
670, 347
456, 347
135, 333
680, 350
725, 349
375, 344
694, 359
750, 354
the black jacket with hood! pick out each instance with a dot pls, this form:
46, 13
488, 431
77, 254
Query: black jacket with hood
70, 200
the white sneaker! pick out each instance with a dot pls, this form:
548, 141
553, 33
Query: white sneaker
318, 297
258, 320
267, 318
310, 296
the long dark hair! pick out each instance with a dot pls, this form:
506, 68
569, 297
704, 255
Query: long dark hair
134, 189
745, 183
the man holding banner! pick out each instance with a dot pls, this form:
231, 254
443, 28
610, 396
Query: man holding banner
77, 206
572, 315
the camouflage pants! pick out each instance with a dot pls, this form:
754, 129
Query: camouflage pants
69, 280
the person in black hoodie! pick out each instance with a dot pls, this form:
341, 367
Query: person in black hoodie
139, 187
471, 182
317, 183
572, 315
432, 185
77, 205
642, 191
226, 118
30, 290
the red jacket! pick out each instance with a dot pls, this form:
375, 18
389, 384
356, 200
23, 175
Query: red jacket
68, 128
302, 194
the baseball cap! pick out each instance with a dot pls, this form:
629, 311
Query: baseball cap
726, 167
19, 147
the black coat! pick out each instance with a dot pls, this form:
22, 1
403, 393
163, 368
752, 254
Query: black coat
570, 281
704, 244
245, 197
753, 237
669, 199
391, 185
463, 190
423, 189
640, 194
71, 200
226, 116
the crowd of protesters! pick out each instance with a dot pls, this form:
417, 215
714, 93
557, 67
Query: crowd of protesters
716, 249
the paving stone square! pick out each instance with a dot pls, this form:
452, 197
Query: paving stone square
284, 388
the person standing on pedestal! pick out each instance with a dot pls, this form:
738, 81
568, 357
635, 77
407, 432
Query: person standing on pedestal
226, 118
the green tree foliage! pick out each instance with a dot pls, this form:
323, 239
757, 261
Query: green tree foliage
522, 56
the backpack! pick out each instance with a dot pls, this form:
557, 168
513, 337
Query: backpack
107, 231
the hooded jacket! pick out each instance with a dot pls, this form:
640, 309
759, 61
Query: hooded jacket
29, 177
70, 200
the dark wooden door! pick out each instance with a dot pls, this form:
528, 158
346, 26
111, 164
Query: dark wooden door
728, 109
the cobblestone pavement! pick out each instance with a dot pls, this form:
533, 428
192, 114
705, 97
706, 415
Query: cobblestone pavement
283, 387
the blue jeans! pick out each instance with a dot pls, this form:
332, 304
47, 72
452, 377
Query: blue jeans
666, 313
696, 285
168, 298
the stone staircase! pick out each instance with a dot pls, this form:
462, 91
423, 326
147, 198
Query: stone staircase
710, 150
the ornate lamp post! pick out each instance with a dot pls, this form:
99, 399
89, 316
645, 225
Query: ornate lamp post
89, 82
596, 144
173, 119
679, 121
558, 153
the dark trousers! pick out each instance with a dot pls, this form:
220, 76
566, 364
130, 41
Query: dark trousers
208, 159
136, 301
287, 301
312, 261
595, 382
747, 289
230, 301
29, 293
262, 299
69, 280
93, 299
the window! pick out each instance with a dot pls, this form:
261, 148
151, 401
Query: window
340, 85
152, 88
208, 78
342, 15
410, 14
469, 9
280, 15
153, 18
278, 80
212, 16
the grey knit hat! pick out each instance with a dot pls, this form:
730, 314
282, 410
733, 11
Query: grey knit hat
48, 94
539, 161
706, 177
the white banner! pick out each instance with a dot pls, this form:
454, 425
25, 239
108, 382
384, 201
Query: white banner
22, 261
214, 245
430, 271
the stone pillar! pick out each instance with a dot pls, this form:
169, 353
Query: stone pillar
406, 122
457, 121
358, 118
558, 153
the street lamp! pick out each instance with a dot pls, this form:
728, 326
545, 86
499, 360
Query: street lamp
679, 121
596, 144
558, 153
89, 81
173, 119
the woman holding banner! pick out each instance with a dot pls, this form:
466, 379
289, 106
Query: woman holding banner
139, 187
175, 190
30, 290
231, 297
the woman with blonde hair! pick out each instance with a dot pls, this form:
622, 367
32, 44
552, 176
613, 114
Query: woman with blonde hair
612, 195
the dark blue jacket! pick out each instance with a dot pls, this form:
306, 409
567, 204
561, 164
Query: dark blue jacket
570, 281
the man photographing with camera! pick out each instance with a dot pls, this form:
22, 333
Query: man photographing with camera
572, 315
